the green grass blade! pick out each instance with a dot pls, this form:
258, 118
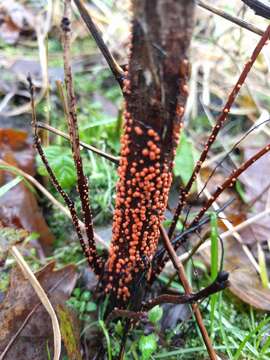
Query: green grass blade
107, 337
248, 337
5, 188
214, 267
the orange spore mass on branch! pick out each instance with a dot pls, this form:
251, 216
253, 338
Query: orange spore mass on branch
142, 194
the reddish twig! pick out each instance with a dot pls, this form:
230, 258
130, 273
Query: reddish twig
231, 179
117, 71
219, 124
99, 152
93, 258
116, 313
55, 182
219, 284
182, 277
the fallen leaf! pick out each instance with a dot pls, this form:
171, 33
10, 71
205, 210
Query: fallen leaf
19, 207
20, 299
245, 282
16, 146
257, 190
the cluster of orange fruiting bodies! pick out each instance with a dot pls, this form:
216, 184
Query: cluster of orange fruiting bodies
145, 176
142, 194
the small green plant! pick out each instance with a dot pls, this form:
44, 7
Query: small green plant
60, 159
81, 301
147, 346
155, 314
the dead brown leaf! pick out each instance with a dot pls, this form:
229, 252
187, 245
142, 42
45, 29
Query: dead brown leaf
245, 282
20, 299
244, 279
257, 190
19, 207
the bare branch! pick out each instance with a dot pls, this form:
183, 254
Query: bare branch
55, 182
230, 181
219, 284
110, 157
230, 17
261, 7
117, 71
82, 182
219, 124
183, 279
116, 313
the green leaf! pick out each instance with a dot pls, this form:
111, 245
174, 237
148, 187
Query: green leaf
61, 161
241, 192
91, 306
155, 314
147, 346
119, 328
82, 306
185, 159
86, 296
77, 292
5, 188
100, 122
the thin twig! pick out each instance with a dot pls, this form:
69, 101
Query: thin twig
117, 71
183, 279
229, 226
230, 17
101, 153
215, 130
261, 7
245, 223
116, 313
205, 244
219, 284
230, 181
82, 184
55, 182
63, 99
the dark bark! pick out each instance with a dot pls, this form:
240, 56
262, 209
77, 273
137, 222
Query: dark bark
155, 89
261, 7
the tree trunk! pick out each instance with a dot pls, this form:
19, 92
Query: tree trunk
155, 89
